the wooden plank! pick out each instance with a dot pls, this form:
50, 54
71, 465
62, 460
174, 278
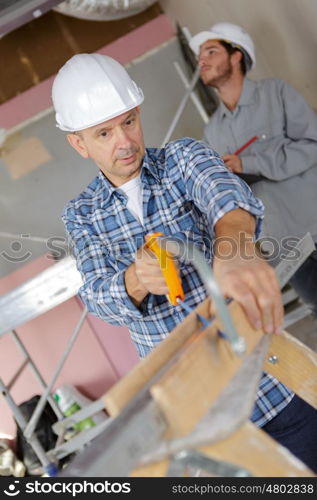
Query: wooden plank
296, 366
195, 381
203, 365
126, 388
179, 339
251, 449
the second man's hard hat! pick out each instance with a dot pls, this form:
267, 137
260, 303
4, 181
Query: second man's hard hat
90, 89
230, 33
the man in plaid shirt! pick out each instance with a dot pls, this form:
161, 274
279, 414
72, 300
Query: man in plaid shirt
182, 190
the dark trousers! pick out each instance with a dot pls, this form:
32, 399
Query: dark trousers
295, 427
304, 282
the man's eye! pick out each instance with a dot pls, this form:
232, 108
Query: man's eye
103, 134
129, 122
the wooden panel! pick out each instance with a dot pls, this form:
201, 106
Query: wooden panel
202, 366
35, 51
296, 366
195, 381
126, 388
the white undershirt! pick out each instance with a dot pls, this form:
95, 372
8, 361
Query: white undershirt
134, 191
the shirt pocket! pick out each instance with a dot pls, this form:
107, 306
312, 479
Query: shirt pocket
265, 136
181, 224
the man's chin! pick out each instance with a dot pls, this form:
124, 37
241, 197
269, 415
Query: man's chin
211, 82
131, 170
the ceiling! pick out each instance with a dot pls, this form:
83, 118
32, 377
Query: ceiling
38, 39
15, 13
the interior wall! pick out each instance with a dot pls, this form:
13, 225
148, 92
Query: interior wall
284, 32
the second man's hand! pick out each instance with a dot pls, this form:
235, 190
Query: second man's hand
233, 163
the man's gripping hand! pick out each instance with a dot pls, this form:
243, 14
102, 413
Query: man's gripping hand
244, 275
145, 276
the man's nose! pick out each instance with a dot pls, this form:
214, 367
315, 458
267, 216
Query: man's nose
122, 138
201, 61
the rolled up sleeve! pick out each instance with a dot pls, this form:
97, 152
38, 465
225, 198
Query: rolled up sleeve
103, 290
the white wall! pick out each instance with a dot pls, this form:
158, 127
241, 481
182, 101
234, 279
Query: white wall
284, 32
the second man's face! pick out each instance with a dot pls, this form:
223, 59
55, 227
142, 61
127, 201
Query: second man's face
116, 146
214, 63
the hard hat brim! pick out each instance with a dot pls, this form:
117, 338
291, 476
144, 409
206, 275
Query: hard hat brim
201, 38
102, 119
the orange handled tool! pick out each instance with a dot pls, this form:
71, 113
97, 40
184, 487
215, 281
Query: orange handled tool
168, 268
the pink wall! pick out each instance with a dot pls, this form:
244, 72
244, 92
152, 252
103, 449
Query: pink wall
116, 342
125, 49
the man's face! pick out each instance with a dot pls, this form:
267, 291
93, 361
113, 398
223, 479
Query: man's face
214, 63
116, 146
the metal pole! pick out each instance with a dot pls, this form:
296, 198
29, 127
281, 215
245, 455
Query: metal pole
200, 108
34, 442
42, 401
188, 251
37, 374
181, 107
17, 374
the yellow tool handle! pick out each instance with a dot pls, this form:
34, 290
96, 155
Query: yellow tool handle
168, 268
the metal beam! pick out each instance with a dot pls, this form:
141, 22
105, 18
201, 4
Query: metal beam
15, 13
40, 294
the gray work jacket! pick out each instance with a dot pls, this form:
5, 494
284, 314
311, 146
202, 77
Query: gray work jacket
284, 156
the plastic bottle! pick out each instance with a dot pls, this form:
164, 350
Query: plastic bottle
66, 399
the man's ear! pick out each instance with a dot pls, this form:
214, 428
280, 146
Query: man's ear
77, 142
236, 57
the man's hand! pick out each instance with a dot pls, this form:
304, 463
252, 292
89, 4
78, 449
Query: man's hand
145, 276
149, 273
233, 163
244, 276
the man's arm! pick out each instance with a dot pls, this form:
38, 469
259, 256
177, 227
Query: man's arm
243, 275
104, 283
234, 164
293, 151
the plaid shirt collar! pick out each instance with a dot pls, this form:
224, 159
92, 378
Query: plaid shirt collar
149, 168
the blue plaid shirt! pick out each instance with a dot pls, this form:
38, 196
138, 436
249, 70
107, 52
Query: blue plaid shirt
186, 190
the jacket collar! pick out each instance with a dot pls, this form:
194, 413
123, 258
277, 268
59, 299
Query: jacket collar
247, 97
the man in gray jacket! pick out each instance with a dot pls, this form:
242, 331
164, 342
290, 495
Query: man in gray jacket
266, 134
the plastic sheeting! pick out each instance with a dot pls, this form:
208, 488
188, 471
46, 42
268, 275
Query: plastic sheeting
102, 10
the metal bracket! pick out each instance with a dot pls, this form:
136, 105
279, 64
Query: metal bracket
191, 463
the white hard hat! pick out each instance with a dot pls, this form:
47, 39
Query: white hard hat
228, 32
90, 89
